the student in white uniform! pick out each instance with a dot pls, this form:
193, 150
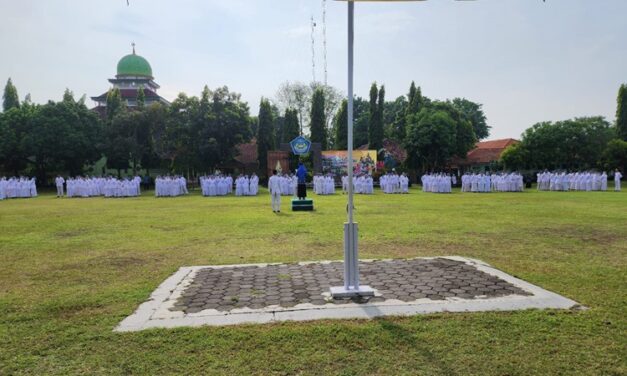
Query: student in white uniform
274, 186
59, 183
617, 177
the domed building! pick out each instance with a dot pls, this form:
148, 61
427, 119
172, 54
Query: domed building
133, 72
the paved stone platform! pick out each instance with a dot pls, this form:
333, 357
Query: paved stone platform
257, 287
234, 294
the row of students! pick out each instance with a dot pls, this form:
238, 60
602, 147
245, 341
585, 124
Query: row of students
577, 181
97, 186
394, 183
247, 185
323, 184
485, 183
15, 187
170, 186
216, 185
437, 183
362, 184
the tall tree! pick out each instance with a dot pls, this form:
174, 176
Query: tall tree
10, 98
318, 121
361, 122
341, 126
372, 113
291, 128
278, 126
436, 134
15, 124
68, 96
394, 118
474, 113
141, 98
295, 95
265, 134
174, 137
621, 113
415, 100
376, 133
114, 103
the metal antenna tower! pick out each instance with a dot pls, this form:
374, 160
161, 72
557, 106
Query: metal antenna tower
324, 40
313, 49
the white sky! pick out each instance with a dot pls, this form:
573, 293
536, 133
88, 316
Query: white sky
526, 61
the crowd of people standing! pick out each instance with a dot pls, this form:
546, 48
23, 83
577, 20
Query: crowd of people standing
170, 186
98, 186
363, 184
394, 183
485, 183
216, 185
438, 182
577, 181
324, 184
17, 187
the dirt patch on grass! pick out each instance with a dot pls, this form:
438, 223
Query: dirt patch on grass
105, 261
569, 232
70, 233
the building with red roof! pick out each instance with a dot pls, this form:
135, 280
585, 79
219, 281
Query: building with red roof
485, 154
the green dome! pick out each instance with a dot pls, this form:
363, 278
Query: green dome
134, 65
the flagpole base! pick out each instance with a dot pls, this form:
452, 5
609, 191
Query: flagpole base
339, 292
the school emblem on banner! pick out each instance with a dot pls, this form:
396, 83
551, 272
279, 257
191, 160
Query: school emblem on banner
300, 145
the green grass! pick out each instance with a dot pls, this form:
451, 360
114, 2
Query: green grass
72, 269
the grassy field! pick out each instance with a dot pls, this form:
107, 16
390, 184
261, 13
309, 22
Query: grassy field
72, 269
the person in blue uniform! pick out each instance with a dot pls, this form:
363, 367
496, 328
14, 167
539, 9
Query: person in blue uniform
301, 173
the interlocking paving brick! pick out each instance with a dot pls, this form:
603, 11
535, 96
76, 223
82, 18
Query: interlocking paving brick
228, 288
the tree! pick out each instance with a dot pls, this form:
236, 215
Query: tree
290, 128
473, 112
64, 136
265, 134
295, 95
394, 118
226, 125
574, 144
173, 137
318, 122
141, 98
615, 155
415, 101
436, 134
430, 139
514, 157
372, 113
10, 98
361, 122
68, 96
332, 99
341, 127
278, 126
376, 132
114, 103
15, 124
621, 113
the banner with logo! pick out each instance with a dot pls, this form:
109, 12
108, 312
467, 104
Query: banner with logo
336, 162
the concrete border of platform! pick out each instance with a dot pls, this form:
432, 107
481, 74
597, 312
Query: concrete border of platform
156, 313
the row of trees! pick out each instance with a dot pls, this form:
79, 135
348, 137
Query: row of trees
62, 136
193, 134
196, 134
576, 144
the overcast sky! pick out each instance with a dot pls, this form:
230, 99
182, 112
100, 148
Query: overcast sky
526, 61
